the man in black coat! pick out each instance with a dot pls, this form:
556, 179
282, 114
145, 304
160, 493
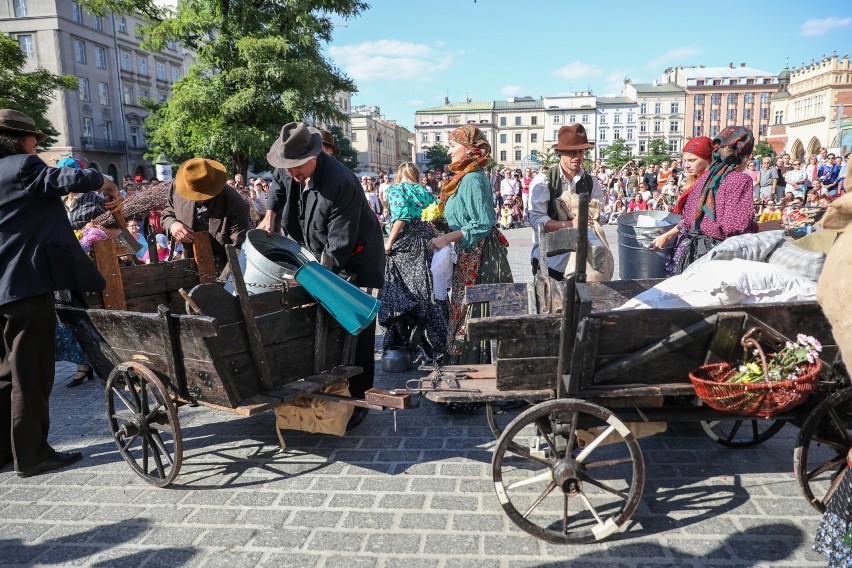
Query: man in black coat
322, 206
38, 255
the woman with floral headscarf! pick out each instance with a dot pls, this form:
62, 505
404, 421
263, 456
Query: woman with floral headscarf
468, 207
720, 204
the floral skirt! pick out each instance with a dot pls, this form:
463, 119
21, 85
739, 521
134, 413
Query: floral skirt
486, 262
67, 346
409, 308
834, 535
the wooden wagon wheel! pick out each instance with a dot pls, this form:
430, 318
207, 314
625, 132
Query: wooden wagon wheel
741, 432
144, 423
819, 460
581, 478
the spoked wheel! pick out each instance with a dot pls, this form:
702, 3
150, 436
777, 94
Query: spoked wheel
498, 418
819, 460
578, 476
144, 423
741, 432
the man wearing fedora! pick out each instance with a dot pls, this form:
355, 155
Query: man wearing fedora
39, 254
323, 207
328, 145
202, 201
565, 177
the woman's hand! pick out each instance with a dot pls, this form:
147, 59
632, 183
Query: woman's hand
438, 242
660, 241
388, 248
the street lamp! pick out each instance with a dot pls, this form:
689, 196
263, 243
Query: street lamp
379, 144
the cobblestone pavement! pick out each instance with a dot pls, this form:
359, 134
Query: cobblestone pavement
415, 495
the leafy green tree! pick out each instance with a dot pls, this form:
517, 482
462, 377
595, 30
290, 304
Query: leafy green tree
30, 92
436, 157
547, 158
348, 155
616, 154
763, 149
258, 66
658, 152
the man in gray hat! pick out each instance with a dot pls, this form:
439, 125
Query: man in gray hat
321, 205
38, 255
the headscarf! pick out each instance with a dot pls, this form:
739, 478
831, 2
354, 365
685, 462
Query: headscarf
478, 156
730, 148
70, 163
702, 147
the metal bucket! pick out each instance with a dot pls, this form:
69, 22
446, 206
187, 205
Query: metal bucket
636, 258
271, 259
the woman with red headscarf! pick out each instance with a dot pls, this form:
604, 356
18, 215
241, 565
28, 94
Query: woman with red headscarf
718, 205
468, 207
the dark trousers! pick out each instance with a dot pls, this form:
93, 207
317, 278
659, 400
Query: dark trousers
555, 274
365, 357
26, 379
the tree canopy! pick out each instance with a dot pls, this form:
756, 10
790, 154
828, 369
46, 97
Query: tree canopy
348, 155
764, 150
547, 158
258, 66
29, 92
616, 154
658, 152
436, 157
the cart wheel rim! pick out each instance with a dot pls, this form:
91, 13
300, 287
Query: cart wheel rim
144, 423
570, 473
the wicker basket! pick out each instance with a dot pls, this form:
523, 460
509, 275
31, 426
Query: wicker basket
763, 399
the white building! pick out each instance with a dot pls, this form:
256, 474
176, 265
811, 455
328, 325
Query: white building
570, 109
617, 118
343, 103
433, 125
381, 144
519, 125
661, 113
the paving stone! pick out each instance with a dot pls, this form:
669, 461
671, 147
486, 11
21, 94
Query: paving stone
75, 533
408, 562
172, 536
167, 514
115, 513
68, 513
400, 501
264, 517
423, 521
387, 544
454, 503
282, 539
336, 484
478, 522
315, 519
69, 555
292, 560
230, 537
254, 499
25, 554
471, 563
761, 550
450, 543
390, 485
432, 485
336, 541
114, 534
210, 516
350, 562
228, 559
368, 520
20, 511
23, 532
168, 558
27, 494
297, 499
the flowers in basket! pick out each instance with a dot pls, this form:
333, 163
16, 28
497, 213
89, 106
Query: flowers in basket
435, 215
785, 365
88, 236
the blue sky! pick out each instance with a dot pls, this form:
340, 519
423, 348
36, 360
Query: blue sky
410, 54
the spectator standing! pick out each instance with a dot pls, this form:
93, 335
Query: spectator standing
768, 179
795, 179
811, 170
650, 177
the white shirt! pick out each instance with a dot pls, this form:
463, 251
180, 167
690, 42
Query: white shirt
509, 187
540, 197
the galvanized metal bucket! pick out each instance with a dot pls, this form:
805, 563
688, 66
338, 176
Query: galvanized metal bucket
271, 259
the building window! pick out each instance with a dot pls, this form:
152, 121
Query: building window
631, 118
658, 108
779, 117
502, 139
714, 115
674, 126
502, 155
714, 130
643, 108
126, 61
161, 71
734, 82
747, 114
761, 131
699, 100
764, 114
83, 89
658, 126
517, 121
122, 25
616, 134
98, 23
699, 82
555, 135
100, 57
20, 8
585, 118
572, 118
175, 74
437, 137
698, 114
76, 13
145, 94
642, 146
129, 98
748, 98
424, 137
502, 121
617, 118
602, 134
643, 126
517, 138
557, 119
533, 120
715, 98
517, 155
163, 98
749, 81
717, 82
25, 43
137, 32
108, 131
732, 98
142, 64
629, 133
603, 119
88, 128
134, 137
80, 51
764, 98
103, 93
675, 108
696, 131
171, 45
674, 146
533, 138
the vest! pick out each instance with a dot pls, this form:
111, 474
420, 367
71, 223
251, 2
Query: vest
554, 186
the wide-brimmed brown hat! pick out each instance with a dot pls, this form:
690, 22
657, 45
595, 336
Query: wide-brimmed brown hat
297, 144
200, 179
18, 122
572, 137
328, 140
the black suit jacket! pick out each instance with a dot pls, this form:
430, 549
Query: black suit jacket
228, 219
38, 250
332, 217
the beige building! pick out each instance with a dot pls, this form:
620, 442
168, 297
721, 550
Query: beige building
660, 114
570, 109
434, 125
519, 125
381, 144
717, 97
343, 103
810, 106
101, 122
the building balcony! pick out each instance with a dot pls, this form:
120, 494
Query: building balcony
103, 145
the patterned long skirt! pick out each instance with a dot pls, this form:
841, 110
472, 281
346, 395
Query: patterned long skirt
67, 346
486, 262
408, 300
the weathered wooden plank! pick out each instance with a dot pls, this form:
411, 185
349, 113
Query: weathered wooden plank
153, 257
638, 390
502, 299
526, 373
610, 295
168, 282
559, 242
203, 253
385, 398
542, 346
512, 327
147, 304
726, 339
276, 327
107, 263
142, 273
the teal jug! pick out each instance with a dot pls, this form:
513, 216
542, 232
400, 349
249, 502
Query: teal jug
353, 308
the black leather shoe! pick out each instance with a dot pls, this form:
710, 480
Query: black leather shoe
358, 416
5, 462
58, 461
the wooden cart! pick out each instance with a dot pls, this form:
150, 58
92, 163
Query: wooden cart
242, 354
569, 469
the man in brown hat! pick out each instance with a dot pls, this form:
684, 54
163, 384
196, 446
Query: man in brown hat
565, 177
39, 254
328, 145
201, 201
321, 205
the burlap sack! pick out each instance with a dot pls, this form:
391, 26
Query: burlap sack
312, 415
600, 264
834, 289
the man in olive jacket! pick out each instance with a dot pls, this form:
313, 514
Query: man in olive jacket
39, 254
323, 207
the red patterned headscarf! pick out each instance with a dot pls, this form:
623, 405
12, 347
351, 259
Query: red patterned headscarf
701, 146
478, 156
733, 145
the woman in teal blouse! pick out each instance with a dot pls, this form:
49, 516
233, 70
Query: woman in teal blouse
409, 309
468, 206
